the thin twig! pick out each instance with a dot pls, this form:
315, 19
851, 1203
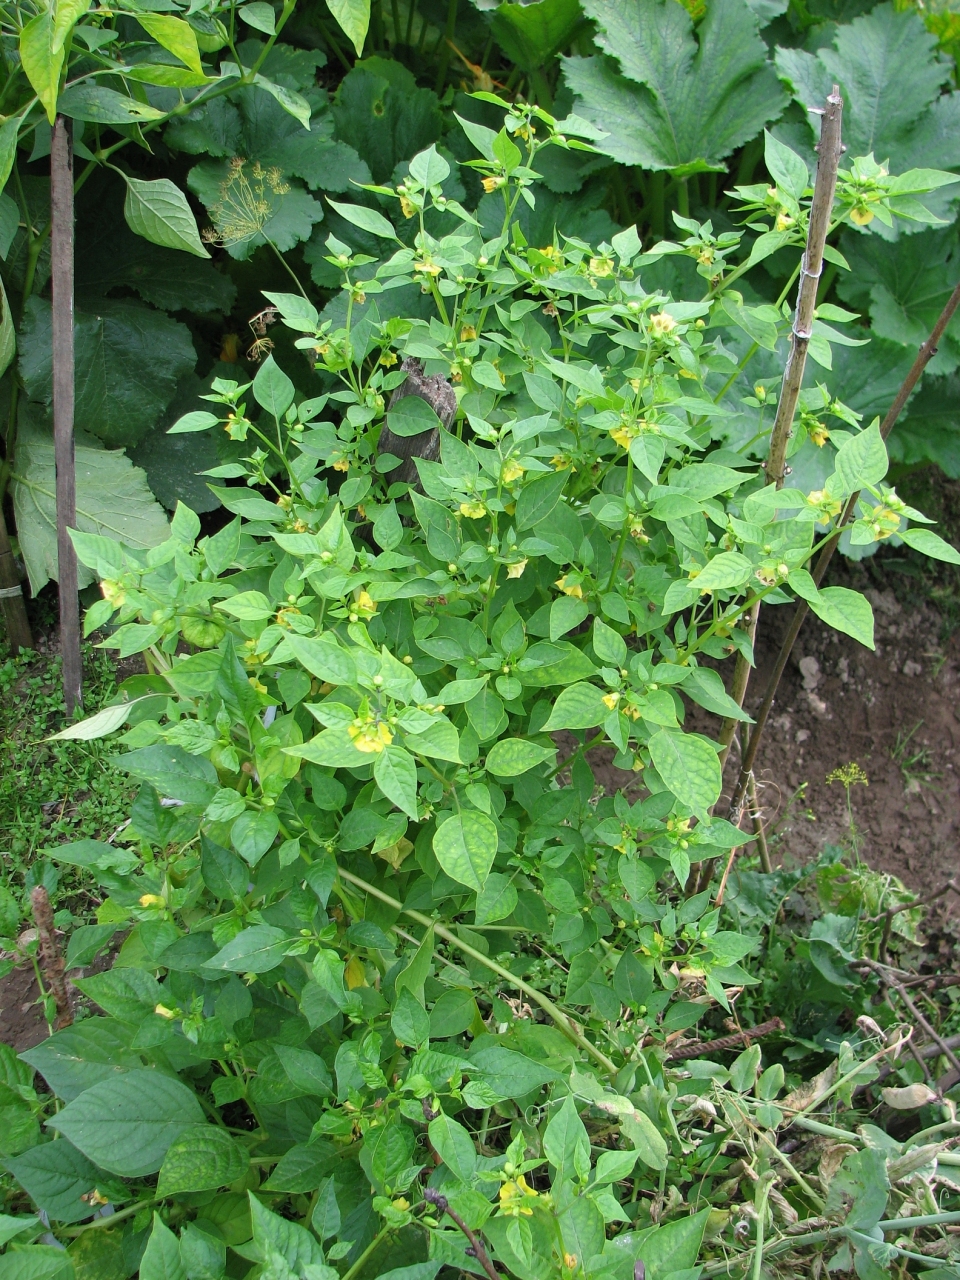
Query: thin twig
51, 961
695, 1048
921, 1021
905, 906
924, 356
476, 1249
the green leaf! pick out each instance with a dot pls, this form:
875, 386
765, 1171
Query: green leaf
728, 569
689, 768
358, 215
566, 1144
677, 103
386, 115
11, 1227
928, 430
67, 13
260, 16
78, 1057
673, 1246
41, 62
305, 1069
323, 658
510, 1074
410, 1022
566, 612
255, 950
846, 611
130, 994
201, 1159
353, 17
129, 359
609, 645
788, 170
414, 975
198, 420
538, 498
411, 416
646, 1138
175, 35
531, 35
96, 104
253, 834
326, 1213
100, 725
203, 1256
395, 771
930, 544
496, 899
159, 212
112, 500
55, 1176
272, 389
37, 1262
510, 757
275, 1235
173, 772
579, 706
161, 1258
454, 1146
466, 845
9, 132
454, 1013
704, 686
632, 979
862, 459
126, 1125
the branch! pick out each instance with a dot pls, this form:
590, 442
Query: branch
476, 1249
829, 149
51, 961
924, 356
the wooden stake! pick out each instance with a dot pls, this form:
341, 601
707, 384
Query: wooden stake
61, 264
51, 961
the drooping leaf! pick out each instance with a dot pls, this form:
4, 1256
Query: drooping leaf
676, 103
174, 35
41, 62
159, 212
353, 17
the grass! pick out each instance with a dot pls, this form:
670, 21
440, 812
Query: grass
52, 792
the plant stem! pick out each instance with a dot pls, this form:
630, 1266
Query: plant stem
763, 1193
563, 1020
829, 157
366, 1255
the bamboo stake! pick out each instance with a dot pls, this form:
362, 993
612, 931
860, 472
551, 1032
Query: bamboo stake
61, 262
11, 595
924, 356
51, 961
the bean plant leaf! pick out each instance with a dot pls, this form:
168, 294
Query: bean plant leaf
846, 611
201, 1159
175, 35
353, 17
127, 1125
113, 500
676, 103
689, 767
466, 845
159, 212
161, 1259
42, 62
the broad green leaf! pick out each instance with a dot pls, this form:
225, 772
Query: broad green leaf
97, 104
496, 899
204, 1257
198, 420
454, 1146
161, 1258
96, 726
85, 1054
175, 35
530, 35
566, 1144
410, 1022
127, 1125
930, 544
862, 459
255, 950
323, 658
275, 1235
306, 1070
510, 757
358, 215
846, 611
580, 706
511, 1074
648, 451
130, 994
412, 977
705, 687
56, 1177
676, 103
10, 1227
37, 1262
538, 498
454, 1013
673, 1246
129, 359
689, 767
253, 834
396, 773
201, 1159
638, 875
728, 569
40, 61
9, 132
292, 102
646, 1138
66, 14
466, 845
159, 212
387, 117
788, 170
609, 645
326, 1213
353, 17
272, 389
429, 167
632, 979
175, 773
260, 16
411, 416
112, 500
566, 612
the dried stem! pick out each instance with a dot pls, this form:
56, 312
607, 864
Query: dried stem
828, 153
892, 982
477, 1249
51, 961
924, 356
888, 915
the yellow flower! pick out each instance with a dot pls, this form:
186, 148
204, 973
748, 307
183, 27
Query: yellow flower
760, 391
493, 182
783, 221
340, 464
152, 900
705, 256
467, 333
113, 592
661, 324
819, 435
512, 1195
861, 215
401, 1203
559, 462
259, 688
407, 208
610, 700
388, 359
516, 569
570, 1260
426, 267
473, 510
365, 605
512, 470
164, 1012
569, 589
624, 434
601, 267
355, 974
370, 736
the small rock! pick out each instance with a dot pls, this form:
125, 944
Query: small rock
843, 670
911, 668
801, 736
810, 671
817, 704
883, 601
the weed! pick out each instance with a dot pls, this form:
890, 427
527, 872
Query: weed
914, 762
